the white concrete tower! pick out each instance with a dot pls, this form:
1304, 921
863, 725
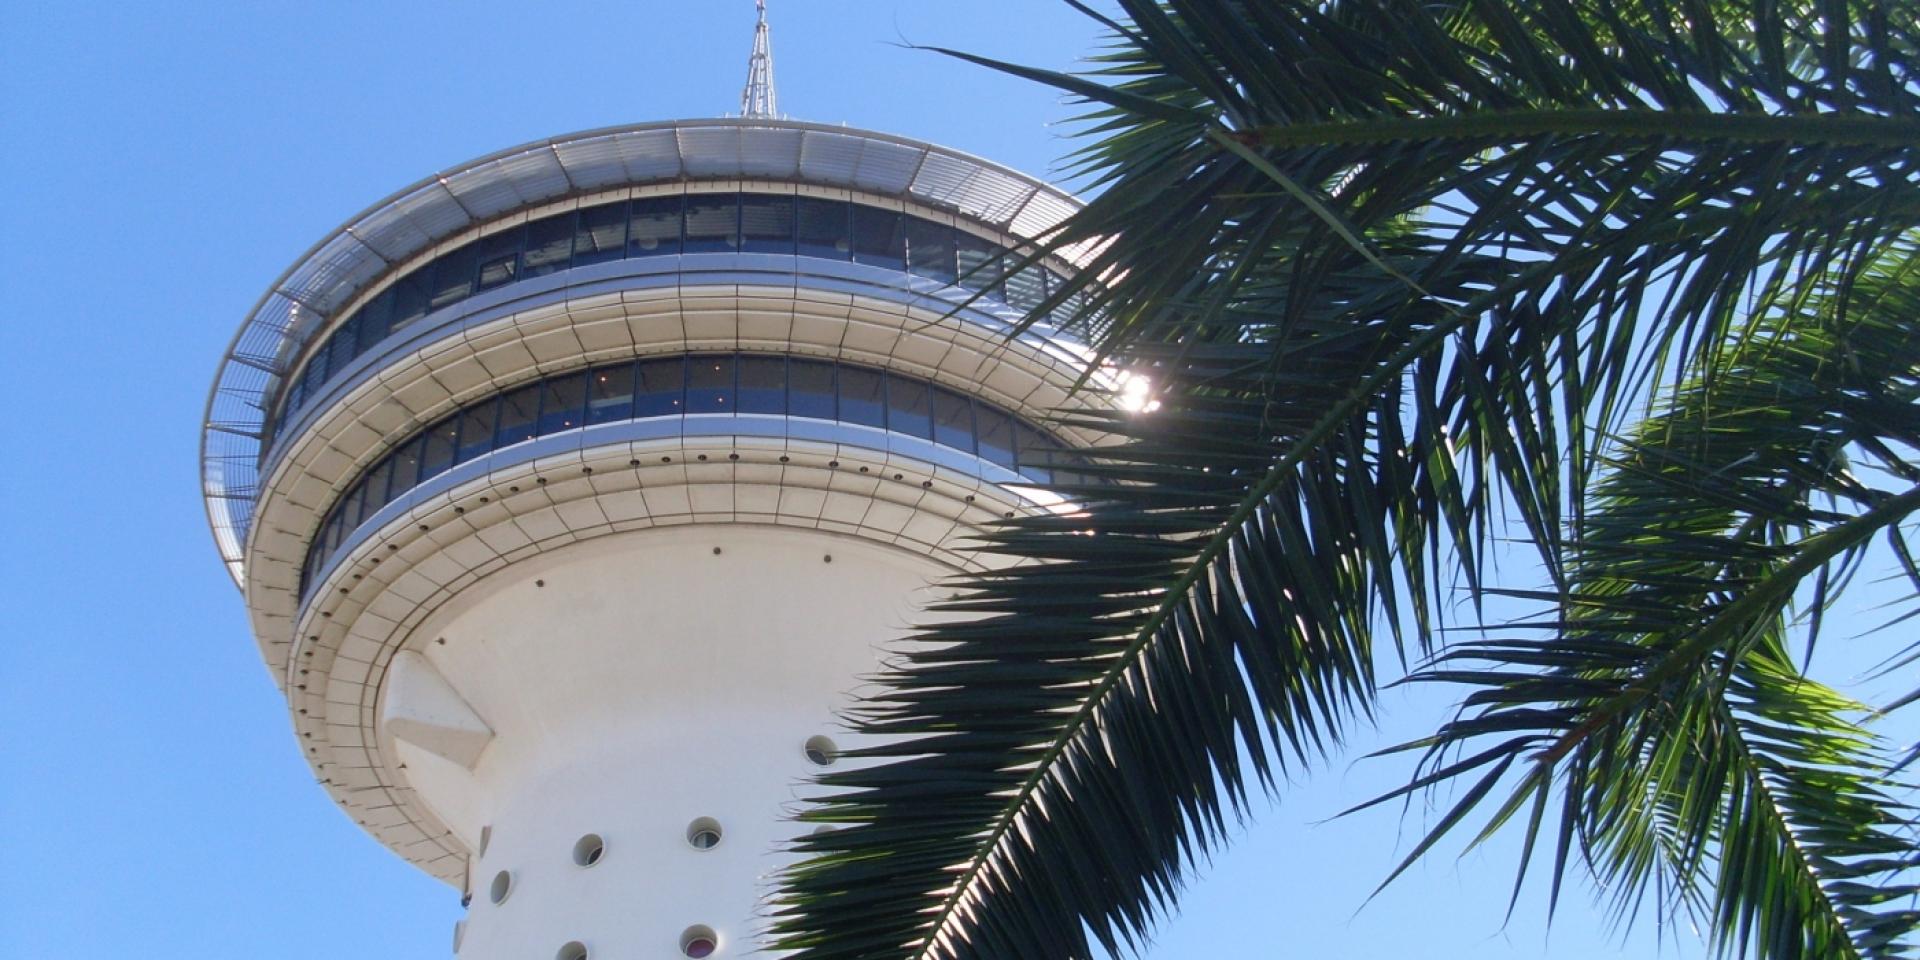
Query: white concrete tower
571, 489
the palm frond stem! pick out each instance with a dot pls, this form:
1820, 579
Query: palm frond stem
1676, 128
1816, 552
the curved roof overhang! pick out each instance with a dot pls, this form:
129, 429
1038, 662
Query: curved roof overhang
329, 275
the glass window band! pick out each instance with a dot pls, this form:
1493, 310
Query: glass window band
719, 383
664, 225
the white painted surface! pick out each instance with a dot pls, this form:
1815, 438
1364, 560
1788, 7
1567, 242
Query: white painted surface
423, 710
634, 683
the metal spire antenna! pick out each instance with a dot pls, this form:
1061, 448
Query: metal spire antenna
756, 101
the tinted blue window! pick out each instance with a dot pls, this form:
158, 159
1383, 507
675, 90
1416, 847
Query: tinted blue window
655, 227
318, 367
601, 234
952, 420
453, 276
766, 224
348, 513
406, 467
342, 347
500, 257
376, 319
710, 385
610, 394
1034, 450
979, 263
309, 386
477, 427
330, 533
821, 228
662, 388
442, 442
763, 384
1068, 308
519, 416
877, 238
862, 397
1026, 289
563, 403
929, 249
909, 407
713, 223
549, 244
993, 430
810, 390
410, 298
296, 395
376, 490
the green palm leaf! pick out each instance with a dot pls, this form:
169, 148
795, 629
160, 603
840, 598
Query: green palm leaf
1662, 703
1397, 270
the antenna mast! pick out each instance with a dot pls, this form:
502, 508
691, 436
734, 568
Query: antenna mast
756, 100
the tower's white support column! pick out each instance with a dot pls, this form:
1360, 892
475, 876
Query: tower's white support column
632, 687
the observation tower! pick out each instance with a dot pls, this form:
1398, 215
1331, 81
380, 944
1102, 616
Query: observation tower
571, 489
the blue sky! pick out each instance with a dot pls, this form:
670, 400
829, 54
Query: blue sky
164, 163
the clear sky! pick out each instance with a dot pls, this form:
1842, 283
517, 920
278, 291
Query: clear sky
162, 164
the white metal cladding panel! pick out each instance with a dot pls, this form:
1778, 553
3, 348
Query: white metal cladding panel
265, 334
770, 152
412, 223
887, 167
298, 325
830, 156
1042, 213
509, 183
976, 191
333, 274
593, 163
710, 151
650, 154
432, 210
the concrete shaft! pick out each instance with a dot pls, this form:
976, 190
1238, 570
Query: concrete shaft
647, 694
551, 602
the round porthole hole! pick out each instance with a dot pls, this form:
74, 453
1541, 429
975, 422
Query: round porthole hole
699, 941
572, 951
502, 886
703, 833
821, 752
588, 850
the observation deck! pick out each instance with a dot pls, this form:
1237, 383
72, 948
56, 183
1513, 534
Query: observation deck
787, 339
271, 358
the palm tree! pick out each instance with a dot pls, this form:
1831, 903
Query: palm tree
1636, 281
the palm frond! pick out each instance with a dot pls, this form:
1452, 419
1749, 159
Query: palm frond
1376, 320
1662, 703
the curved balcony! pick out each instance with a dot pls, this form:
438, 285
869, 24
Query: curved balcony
723, 222
305, 302
759, 395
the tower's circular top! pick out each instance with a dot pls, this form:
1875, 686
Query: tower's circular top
302, 301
